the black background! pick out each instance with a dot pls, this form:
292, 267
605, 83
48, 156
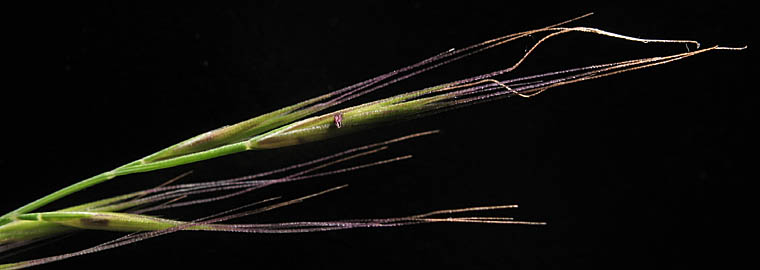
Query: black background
638, 169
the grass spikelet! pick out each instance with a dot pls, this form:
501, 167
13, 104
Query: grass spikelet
316, 119
226, 141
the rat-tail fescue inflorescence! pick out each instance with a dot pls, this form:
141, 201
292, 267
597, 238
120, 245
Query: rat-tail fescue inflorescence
298, 124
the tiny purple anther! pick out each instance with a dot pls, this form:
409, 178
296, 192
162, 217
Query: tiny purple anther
338, 120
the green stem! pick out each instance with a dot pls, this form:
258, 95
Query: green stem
133, 167
7, 218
